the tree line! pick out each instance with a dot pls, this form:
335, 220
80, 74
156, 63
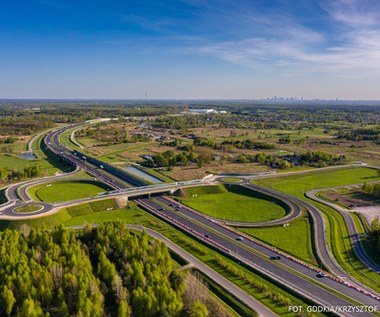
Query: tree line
170, 158
24, 125
240, 144
13, 175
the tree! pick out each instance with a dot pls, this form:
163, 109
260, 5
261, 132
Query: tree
124, 310
161, 160
199, 310
7, 300
31, 309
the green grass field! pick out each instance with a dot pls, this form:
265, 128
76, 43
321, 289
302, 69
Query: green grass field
231, 180
28, 208
67, 190
94, 212
14, 162
293, 239
299, 184
218, 202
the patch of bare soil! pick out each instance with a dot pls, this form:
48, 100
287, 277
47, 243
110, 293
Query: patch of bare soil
346, 200
370, 212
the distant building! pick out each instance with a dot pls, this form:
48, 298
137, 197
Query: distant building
202, 111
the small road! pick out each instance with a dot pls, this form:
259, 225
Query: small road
33, 139
354, 236
18, 196
206, 270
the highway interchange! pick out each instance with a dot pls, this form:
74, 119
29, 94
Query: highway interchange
292, 273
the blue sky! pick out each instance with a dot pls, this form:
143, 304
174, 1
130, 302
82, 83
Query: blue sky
190, 49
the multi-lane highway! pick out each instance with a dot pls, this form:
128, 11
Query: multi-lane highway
256, 255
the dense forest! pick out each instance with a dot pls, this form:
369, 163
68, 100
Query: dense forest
103, 271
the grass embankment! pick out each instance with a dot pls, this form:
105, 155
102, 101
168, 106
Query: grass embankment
94, 212
272, 295
232, 203
337, 233
28, 208
294, 239
223, 295
67, 190
231, 180
66, 141
160, 174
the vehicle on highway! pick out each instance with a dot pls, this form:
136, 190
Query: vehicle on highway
321, 274
207, 236
239, 239
161, 209
275, 257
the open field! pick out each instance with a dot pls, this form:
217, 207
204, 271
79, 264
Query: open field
294, 239
94, 212
13, 161
299, 184
67, 190
19, 146
219, 202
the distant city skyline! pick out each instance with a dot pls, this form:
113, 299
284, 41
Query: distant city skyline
190, 49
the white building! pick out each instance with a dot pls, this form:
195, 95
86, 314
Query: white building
203, 111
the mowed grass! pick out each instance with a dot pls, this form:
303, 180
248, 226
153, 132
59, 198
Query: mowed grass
88, 213
28, 208
67, 190
293, 239
299, 184
231, 180
14, 162
218, 202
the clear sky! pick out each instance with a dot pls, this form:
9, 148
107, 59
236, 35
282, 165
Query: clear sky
184, 49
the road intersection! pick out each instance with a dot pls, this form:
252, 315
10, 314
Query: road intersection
293, 274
